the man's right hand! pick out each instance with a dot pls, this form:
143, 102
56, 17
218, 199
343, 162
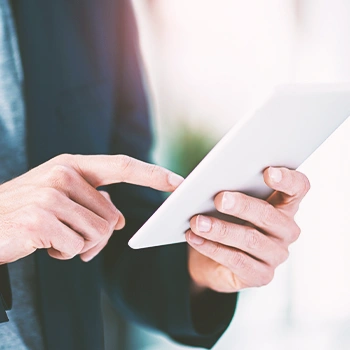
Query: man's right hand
56, 206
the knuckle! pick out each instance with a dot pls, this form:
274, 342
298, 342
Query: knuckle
222, 273
214, 249
232, 282
111, 218
153, 171
33, 217
123, 163
284, 255
294, 232
305, 185
267, 278
67, 256
253, 240
64, 158
269, 215
60, 175
237, 260
48, 195
110, 210
222, 230
77, 245
242, 203
280, 256
117, 215
114, 217
105, 228
106, 195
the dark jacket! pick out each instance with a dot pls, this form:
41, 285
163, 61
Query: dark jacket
84, 94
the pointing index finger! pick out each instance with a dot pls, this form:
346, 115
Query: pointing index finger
101, 170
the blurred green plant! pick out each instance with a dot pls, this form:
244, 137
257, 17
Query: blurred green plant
187, 146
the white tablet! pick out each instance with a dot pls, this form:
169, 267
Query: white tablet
291, 124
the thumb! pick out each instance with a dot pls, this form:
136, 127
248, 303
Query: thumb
101, 170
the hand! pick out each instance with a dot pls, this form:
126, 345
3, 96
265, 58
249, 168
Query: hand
56, 205
228, 257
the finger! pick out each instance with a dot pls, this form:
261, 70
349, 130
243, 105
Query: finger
91, 253
106, 195
56, 254
259, 213
95, 246
246, 269
244, 238
121, 219
291, 187
65, 243
68, 181
104, 170
83, 221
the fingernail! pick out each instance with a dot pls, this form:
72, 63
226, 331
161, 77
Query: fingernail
195, 239
203, 223
275, 174
228, 201
175, 180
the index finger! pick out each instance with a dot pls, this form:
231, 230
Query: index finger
291, 186
101, 170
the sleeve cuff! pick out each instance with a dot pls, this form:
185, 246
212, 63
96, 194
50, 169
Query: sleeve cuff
207, 316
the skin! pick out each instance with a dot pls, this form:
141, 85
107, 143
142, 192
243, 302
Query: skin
56, 206
228, 257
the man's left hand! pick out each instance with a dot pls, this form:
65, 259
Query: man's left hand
228, 257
